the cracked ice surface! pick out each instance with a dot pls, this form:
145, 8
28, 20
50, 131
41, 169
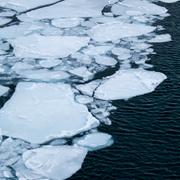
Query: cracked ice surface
53, 55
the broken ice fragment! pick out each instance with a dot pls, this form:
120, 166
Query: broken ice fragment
94, 141
3, 90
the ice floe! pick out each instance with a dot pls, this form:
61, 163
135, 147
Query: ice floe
28, 109
21, 5
55, 162
103, 32
129, 83
105, 60
138, 7
37, 46
70, 8
161, 38
67, 22
94, 141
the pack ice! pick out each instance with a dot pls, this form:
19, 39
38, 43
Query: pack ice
68, 60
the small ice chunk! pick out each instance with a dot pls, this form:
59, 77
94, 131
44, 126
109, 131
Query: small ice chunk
38, 112
122, 53
94, 141
129, 83
3, 90
67, 22
97, 50
161, 38
88, 88
82, 99
55, 162
117, 30
169, 1
82, 72
37, 46
50, 63
105, 60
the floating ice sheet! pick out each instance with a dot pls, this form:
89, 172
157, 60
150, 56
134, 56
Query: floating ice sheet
70, 8
38, 112
94, 141
129, 83
23, 4
138, 7
117, 30
36, 46
161, 38
55, 162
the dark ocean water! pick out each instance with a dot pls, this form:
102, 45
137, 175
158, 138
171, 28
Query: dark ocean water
146, 129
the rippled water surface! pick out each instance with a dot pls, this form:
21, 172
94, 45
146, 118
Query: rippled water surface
146, 129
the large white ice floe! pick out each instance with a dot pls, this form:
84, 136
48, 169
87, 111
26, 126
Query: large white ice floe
161, 38
129, 83
22, 5
55, 162
38, 112
94, 141
116, 30
137, 7
70, 8
169, 1
37, 46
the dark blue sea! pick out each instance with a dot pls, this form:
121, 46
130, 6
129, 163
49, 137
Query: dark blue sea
146, 129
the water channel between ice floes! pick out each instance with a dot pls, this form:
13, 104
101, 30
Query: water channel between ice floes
62, 65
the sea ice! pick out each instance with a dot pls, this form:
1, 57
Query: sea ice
97, 50
67, 22
70, 8
55, 162
4, 20
82, 72
37, 46
117, 30
82, 99
44, 75
23, 4
94, 140
161, 38
48, 63
105, 60
3, 90
169, 1
143, 7
126, 84
38, 112
89, 88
